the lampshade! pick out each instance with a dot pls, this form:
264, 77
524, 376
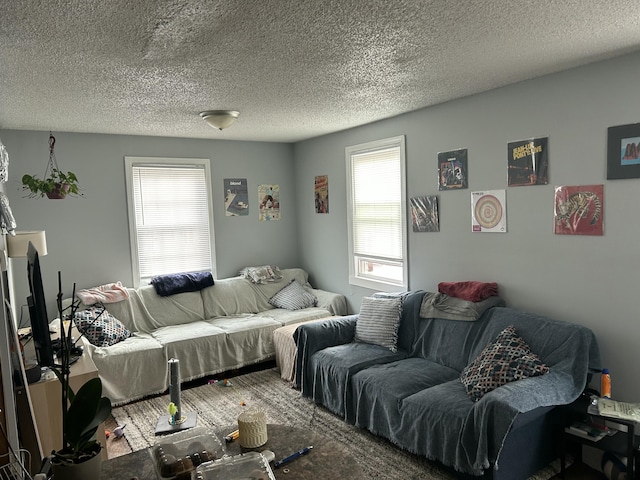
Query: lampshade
17, 245
220, 118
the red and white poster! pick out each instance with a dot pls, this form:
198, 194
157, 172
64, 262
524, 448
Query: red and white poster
579, 210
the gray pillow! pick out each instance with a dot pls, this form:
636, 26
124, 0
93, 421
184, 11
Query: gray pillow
378, 322
293, 297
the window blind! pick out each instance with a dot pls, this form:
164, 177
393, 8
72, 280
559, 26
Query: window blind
171, 207
377, 204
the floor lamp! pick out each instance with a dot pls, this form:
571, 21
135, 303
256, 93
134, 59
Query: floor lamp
16, 246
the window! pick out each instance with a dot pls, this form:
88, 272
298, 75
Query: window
376, 197
170, 216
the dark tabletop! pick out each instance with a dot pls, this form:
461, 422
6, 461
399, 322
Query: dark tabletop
327, 458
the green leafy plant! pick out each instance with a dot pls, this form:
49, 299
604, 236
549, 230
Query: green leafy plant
82, 411
57, 185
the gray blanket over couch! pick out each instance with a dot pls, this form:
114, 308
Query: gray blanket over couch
417, 400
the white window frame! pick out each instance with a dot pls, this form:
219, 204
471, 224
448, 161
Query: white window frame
130, 162
357, 275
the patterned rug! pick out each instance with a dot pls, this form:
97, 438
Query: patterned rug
219, 406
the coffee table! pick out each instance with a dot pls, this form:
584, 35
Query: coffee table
327, 459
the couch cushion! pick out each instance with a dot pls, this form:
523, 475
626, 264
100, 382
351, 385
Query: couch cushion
232, 296
378, 322
249, 339
131, 369
174, 310
333, 368
192, 344
507, 359
378, 392
293, 297
287, 317
434, 419
100, 327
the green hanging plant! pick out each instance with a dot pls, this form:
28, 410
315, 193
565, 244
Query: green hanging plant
56, 184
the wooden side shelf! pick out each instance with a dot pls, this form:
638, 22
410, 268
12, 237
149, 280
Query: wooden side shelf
46, 397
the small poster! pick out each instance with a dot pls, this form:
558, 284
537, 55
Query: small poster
528, 162
578, 210
321, 190
269, 207
236, 197
424, 214
489, 211
452, 169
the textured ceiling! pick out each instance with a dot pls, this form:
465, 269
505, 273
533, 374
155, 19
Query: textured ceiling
295, 69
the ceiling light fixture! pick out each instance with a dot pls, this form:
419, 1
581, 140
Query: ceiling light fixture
220, 119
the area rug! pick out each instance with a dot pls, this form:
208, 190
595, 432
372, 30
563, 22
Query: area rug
218, 405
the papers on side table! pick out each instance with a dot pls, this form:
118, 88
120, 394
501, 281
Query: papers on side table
623, 410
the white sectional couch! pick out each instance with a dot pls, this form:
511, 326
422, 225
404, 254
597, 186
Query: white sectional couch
222, 327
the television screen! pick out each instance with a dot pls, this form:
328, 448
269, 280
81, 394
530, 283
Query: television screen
38, 310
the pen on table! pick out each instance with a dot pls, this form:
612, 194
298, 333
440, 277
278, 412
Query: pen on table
293, 456
232, 436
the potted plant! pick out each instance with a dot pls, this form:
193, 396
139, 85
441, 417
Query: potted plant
56, 183
82, 412
56, 186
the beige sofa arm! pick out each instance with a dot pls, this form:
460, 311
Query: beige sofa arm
336, 303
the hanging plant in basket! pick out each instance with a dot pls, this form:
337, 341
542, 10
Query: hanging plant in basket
55, 184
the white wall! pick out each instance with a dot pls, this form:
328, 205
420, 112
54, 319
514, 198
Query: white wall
589, 280
88, 238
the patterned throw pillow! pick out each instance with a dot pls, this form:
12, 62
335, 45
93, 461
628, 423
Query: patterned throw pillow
293, 297
378, 322
507, 359
100, 327
263, 274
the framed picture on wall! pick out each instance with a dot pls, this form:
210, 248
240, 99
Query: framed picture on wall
452, 169
424, 213
623, 152
528, 162
579, 210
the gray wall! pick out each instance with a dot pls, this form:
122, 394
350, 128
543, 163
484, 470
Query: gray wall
88, 238
588, 280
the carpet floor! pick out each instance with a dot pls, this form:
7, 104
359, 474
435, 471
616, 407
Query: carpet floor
218, 406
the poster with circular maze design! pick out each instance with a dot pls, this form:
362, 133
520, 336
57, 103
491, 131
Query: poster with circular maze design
489, 211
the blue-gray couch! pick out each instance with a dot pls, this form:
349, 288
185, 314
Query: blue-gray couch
414, 397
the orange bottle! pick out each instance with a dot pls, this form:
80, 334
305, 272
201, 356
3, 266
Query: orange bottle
605, 384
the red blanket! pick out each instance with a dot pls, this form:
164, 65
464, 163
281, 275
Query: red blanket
472, 291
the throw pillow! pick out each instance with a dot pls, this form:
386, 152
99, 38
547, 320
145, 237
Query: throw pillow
100, 327
507, 359
108, 293
263, 274
293, 297
378, 322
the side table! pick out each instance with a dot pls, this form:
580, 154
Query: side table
46, 396
622, 443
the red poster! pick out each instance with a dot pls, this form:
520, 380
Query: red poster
579, 210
